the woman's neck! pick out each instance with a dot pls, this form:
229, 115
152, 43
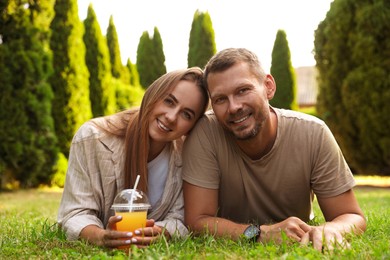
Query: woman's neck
155, 149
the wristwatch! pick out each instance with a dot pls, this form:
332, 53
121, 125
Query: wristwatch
252, 232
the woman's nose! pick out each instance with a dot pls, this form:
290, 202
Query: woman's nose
171, 115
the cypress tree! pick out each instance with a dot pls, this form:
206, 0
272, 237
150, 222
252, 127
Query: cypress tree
202, 40
102, 94
117, 68
27, 140
159, 57
352, 53
283, 73
144, 59
150, 58
133, 73
71, 104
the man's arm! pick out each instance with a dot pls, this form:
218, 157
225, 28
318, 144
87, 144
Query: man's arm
343, 215
200, 207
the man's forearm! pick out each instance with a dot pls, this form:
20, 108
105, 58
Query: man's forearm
218, 227
348, 223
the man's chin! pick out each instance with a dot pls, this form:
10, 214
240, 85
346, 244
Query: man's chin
244, 136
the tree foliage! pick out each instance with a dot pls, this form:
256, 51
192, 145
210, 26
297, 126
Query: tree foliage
117, 69
27, 140
71, 105
352, 52
133, 73
150, 58
102, 94
283, 73
202, 40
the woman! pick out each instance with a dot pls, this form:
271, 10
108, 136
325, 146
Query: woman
108, 153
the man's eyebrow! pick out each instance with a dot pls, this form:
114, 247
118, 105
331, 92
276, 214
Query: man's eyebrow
186, 108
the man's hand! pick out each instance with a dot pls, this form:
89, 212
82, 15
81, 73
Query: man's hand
325, 237
293, 227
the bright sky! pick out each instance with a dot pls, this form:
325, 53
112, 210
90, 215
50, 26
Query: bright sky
252, 24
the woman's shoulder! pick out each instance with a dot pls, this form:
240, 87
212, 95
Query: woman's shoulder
87, 130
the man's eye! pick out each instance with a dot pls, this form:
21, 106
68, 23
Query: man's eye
219, 100
242, 91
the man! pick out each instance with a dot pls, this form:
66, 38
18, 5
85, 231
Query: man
252, 170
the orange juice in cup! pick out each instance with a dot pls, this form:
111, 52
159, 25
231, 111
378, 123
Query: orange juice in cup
131, 220
133, 206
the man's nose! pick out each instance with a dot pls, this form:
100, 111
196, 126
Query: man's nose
234, 105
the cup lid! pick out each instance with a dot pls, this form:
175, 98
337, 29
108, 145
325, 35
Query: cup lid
131, 200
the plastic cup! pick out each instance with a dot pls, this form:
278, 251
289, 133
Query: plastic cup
133, 206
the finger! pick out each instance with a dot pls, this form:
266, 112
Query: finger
335, 240
117, 243
112, 221
305, 227
144, 240
149, 231
113, 235
292, 234
305, 239
149, 222
117, 238
317, 239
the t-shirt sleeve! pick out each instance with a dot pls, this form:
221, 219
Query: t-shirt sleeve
200, 166
331, 175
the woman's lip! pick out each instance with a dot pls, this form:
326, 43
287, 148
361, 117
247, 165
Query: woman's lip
162, 126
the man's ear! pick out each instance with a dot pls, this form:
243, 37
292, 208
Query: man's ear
270, 86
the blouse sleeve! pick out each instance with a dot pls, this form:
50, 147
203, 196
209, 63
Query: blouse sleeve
79, 207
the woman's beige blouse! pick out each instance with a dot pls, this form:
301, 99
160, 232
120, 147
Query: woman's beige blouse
95, 176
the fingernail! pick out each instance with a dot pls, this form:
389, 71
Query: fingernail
128, 241
119, 217
129, 234
137, 232
134, 240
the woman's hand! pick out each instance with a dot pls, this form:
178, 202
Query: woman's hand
108, 237
143, 237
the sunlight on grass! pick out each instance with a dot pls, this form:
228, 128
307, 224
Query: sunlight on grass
29, 231
373, 180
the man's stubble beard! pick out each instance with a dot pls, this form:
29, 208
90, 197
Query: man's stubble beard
252, 134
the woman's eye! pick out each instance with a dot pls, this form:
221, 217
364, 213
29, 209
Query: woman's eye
187, 115
168, 101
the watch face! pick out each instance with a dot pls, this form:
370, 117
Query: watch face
251, 232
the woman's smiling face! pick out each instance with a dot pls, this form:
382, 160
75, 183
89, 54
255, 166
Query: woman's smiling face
176, 114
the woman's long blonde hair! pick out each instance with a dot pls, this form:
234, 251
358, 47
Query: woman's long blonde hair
133, 124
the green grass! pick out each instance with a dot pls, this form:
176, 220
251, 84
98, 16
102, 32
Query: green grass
28, 231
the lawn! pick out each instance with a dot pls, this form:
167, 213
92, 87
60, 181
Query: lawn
28, 231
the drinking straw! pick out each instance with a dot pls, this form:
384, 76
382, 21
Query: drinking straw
136, 182
132, 194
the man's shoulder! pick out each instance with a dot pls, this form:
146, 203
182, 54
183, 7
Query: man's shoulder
297, 116
208, 118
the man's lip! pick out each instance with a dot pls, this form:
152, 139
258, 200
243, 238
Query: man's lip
240, 120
